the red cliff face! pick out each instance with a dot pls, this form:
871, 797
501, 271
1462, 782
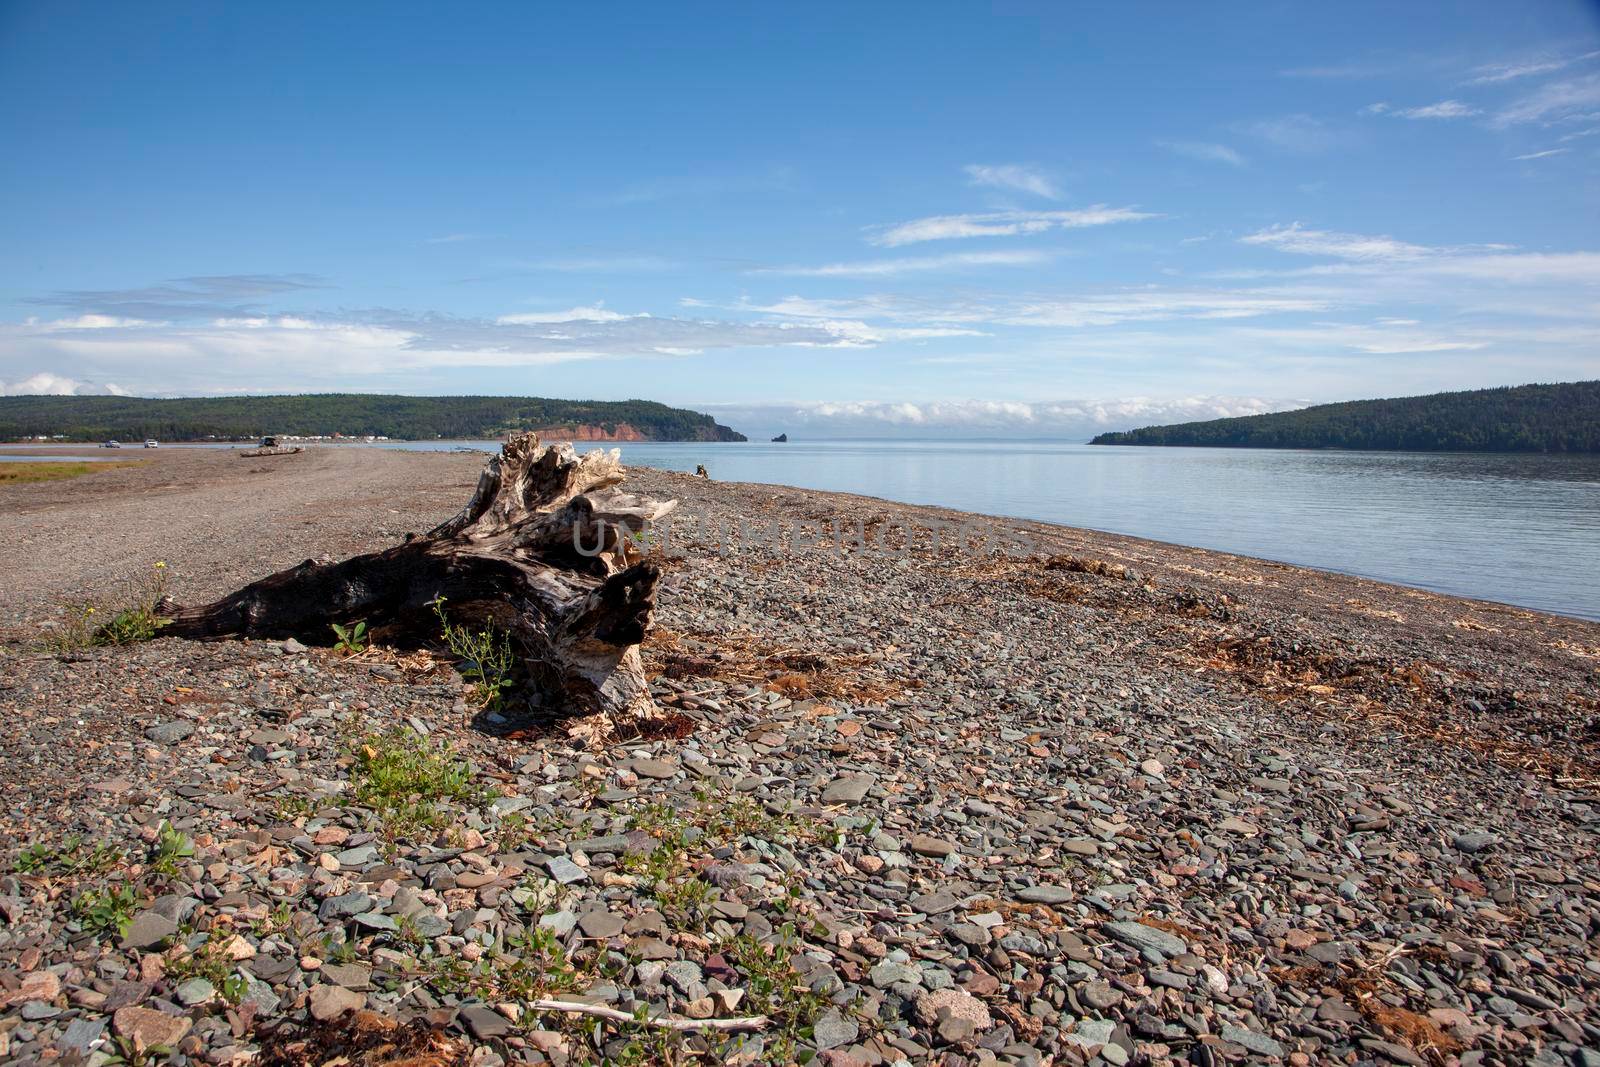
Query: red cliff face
621, 432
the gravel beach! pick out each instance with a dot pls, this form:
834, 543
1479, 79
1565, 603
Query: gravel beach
1014, 794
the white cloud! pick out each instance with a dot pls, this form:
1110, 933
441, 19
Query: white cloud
597, 313
1154, 304
1000, 224
1300, 133
1546, 154
1205, 151
46, 384
252, 353
1444, 109
1014, 176
877, 268
1065, 418
1297, 239
1557, 101
96, 322
1490, 73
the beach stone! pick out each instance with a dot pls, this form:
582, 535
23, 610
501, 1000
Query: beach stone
350, 975
483, 1022
957, 1003
169, 733
330, 1001
928, 845
81, 1034
833, 1029
849, 788
1146, 938
36, 985
1090, 1034
147, 1028
887, 974
148, 929
652, 768
936, 903
1045, 894
601, 924
565, 871
195, 991
344, 906
1475, 842
1258, 1043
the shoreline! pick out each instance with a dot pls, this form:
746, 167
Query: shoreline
1117, 793
1420, 584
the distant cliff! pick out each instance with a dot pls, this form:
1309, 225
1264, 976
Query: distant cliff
94, 418
1524, 418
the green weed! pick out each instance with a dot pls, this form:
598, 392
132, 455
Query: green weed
350, 639
171, 846
71, 858
485, 656
106, 911
401, 775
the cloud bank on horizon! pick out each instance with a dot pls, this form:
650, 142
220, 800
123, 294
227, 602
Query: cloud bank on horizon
1387, 214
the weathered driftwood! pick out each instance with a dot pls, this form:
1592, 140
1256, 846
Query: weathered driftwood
542, 548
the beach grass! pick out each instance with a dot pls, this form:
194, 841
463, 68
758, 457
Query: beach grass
23, 473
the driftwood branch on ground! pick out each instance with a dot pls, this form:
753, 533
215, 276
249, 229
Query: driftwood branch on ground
541, 549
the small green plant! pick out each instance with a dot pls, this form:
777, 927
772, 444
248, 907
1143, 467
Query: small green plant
125, 1053
401, 775
233, 988
211, 962
533, 965
775, 989
171, 846
137, 618
106, 911
134, 616
486, 656
350, 639
73, 856
73, 631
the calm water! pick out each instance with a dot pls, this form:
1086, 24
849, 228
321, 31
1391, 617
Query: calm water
1517, 529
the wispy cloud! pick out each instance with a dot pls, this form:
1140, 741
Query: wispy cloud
1015, 176
1564, 100
1299, 133
1546, 154
877, 268
1491, 73
1000, 224
204, 296
1298, 239
1152, 303
456, 238
1444, 109
1206, 151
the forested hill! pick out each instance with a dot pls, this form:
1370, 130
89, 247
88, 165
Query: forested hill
1524, 418
95, 418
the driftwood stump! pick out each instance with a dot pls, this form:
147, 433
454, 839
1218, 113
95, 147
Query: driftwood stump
542, 548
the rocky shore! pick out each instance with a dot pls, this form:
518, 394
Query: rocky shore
1009, 793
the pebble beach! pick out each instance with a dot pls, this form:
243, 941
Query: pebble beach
1027, 795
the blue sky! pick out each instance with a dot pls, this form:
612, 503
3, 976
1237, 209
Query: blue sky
836, 218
